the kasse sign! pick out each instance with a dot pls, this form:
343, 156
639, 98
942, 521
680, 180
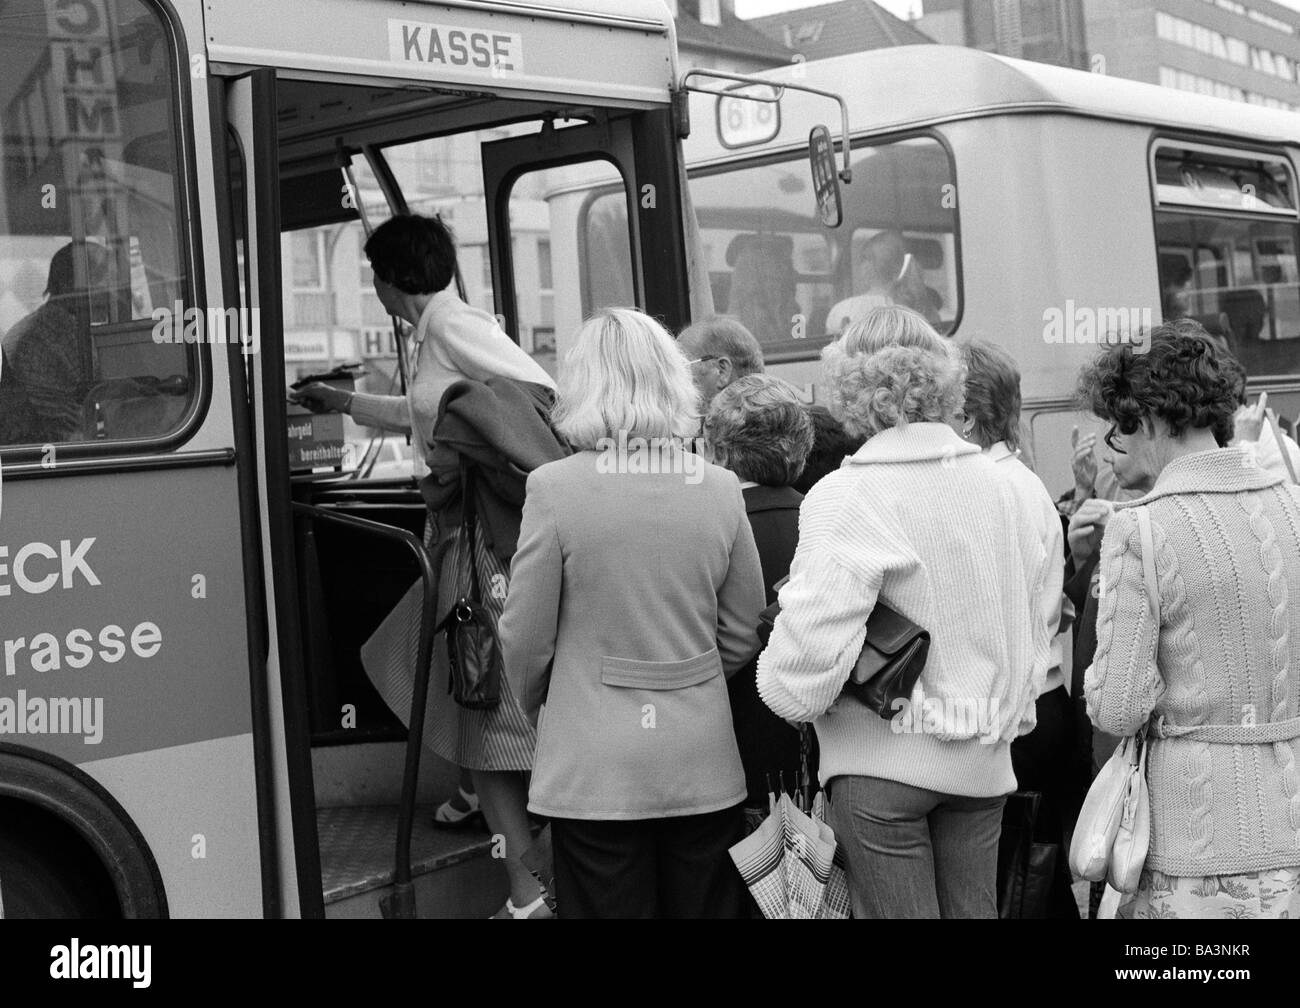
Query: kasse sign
492, 52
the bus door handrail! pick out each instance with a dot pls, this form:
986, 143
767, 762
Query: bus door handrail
401, 904
778, 88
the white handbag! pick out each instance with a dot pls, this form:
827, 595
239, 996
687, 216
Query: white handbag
1113, 832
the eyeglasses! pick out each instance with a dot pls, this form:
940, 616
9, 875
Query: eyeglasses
1109, 440
699, 360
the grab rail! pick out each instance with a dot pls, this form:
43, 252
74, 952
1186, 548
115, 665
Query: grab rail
401, 904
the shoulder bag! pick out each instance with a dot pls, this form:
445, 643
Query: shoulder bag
473, 649
891, 661
1113, 833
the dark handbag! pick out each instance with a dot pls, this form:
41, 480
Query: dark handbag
892, 658
473, 648
1025, 868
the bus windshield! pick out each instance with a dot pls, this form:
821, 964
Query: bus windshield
794, 283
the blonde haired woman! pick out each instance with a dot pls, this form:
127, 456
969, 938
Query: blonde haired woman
921, 520
633, 595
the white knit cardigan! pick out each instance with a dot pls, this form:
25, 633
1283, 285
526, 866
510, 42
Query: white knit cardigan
919, 518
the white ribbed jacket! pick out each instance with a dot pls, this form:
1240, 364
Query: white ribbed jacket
1226, 652
921, 519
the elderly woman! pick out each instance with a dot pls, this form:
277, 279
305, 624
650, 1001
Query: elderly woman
1041, 759
1210, 677
633, 595
758, 428
923, 521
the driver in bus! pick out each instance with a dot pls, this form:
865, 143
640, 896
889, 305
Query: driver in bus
48, 353
887, 274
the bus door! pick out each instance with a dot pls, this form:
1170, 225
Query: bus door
251, 268
127, 772
559, 202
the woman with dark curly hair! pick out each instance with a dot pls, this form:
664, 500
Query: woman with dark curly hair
1214, 676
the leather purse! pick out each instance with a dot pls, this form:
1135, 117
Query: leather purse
891, 661
474, 665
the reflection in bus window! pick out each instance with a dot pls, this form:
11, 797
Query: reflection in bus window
91, 267
545, 250
1234, 268
794, 283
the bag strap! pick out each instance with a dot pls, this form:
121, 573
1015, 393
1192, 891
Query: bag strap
1152, 584
469, 523
1149, 562
1281, 444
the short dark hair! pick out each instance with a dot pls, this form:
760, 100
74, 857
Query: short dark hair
1183, 379
992, 393
415, 254
831, 446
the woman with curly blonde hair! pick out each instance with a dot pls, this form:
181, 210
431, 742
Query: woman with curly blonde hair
922, 521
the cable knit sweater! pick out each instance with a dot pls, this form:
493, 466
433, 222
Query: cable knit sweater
920, 519
1226, 653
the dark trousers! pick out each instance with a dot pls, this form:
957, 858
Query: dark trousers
677, 867
1043, 762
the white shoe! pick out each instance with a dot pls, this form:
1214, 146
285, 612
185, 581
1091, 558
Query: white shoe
510, 911
448, 815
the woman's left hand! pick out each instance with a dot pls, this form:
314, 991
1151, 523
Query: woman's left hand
321, 398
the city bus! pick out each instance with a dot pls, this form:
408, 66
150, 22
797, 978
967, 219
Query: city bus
1038, 207
186, 729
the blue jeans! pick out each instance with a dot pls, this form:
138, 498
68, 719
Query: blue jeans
914, 853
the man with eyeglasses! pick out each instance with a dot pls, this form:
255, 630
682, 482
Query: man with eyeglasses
719, 350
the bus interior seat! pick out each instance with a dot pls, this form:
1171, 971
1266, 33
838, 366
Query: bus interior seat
143, 407
763, 286
1216, 324
1246, 311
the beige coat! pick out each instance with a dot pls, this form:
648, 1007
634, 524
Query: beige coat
631, 596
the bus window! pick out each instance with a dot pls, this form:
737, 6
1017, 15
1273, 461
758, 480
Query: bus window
95, 310
794, 283
1232, 265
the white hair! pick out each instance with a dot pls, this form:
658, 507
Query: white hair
624, 374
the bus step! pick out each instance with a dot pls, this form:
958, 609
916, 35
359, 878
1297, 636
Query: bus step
453, 873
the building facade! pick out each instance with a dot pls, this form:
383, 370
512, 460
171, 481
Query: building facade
1242, 50
1047, 31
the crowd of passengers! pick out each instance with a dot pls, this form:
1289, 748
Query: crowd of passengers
639, 714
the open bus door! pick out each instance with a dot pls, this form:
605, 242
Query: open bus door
251, 240
619, 249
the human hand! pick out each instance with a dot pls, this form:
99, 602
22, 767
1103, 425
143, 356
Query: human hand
1084, 462
1248, 423
321, 398
1087, 525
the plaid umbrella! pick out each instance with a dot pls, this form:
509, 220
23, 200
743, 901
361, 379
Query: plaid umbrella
790, 865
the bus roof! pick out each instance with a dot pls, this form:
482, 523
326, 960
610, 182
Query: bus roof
499, 46
917, 85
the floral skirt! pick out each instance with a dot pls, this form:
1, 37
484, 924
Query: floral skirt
1261, 895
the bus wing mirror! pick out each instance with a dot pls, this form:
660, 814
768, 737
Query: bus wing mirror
826, 180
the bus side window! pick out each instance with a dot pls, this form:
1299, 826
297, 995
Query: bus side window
97, 322
1227, 232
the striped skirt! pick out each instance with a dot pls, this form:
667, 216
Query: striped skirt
499, 739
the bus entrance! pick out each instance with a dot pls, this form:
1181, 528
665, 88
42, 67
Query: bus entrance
221, 559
